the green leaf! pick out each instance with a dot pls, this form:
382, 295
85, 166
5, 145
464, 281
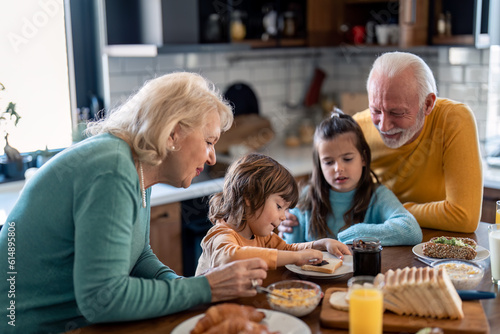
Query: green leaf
11, 109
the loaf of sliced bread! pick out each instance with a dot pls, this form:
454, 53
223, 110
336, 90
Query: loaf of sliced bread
425, 292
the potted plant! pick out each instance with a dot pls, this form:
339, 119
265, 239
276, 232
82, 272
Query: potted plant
13, 164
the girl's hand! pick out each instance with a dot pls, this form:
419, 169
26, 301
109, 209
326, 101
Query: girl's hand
333, 247
308, 256
288, 224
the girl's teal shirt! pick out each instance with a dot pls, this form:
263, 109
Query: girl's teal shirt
385, 219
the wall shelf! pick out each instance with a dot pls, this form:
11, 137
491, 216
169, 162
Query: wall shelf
453, 40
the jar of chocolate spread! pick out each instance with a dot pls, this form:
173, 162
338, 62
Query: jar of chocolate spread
366, 254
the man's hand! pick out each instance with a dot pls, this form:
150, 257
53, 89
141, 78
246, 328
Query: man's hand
288, 224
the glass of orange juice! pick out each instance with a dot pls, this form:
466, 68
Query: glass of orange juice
366, 306
497, 219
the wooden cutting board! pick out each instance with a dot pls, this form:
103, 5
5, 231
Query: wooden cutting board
475, 320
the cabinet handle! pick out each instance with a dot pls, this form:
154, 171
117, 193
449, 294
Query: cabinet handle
165, 215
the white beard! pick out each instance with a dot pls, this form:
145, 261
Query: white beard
406, 134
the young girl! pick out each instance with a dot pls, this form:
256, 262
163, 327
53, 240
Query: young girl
257, 192
342, 200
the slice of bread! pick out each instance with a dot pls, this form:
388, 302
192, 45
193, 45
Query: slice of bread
338, 300
327, 268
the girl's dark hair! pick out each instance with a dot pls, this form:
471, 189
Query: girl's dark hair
317, 198
253, 177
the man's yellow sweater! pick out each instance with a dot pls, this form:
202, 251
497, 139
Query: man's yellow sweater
438, 177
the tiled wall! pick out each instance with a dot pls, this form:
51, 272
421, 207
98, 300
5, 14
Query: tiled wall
280, 77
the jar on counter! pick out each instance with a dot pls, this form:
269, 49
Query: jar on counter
366, 254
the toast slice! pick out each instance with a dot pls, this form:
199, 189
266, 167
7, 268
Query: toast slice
449, 293
328, 266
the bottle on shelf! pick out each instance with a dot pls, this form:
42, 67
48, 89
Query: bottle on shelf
448, 24
238, 29
441, 25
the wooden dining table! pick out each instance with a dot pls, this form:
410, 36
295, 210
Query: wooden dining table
392, 258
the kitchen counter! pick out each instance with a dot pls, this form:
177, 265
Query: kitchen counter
298, 160
491, 177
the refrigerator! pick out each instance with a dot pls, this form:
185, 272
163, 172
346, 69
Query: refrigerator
492, 145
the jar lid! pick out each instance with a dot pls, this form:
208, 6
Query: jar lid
367, 243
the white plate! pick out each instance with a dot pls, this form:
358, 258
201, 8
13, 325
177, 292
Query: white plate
482, 253
274, 320
345, 269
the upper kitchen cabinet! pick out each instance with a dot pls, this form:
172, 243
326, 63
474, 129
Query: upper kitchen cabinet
198, 25
264, 23
402, 23
149, 27
459, 24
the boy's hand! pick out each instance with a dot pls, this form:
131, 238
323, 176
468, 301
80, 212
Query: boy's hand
308, 256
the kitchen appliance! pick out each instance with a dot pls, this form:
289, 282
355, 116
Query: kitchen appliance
243, 99
195, 225
492, 145
250, 131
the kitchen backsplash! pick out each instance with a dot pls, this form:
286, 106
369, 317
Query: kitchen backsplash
281, 77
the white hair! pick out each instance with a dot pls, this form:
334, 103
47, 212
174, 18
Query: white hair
391, 64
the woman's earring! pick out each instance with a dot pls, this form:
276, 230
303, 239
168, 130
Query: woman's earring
173, 148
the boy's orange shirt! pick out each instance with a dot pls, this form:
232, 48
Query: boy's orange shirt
222, 244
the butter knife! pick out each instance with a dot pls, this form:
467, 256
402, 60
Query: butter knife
261, 289
476, 294
426, 261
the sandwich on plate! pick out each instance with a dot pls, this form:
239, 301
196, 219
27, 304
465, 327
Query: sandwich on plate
327, 266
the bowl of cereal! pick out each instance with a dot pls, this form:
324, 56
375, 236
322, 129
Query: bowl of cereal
465, 275
300, 297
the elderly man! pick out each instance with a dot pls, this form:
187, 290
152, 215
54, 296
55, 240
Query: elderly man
425, 149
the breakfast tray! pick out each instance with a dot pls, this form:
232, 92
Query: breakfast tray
475, 320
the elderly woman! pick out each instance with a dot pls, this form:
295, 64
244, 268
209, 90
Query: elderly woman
79, 233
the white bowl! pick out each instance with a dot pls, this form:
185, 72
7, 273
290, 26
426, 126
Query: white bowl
465, 275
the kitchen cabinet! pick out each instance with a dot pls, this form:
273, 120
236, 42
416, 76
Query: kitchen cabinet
201, 23
278, 23
166, 235
410, 15
490, 197
468, 22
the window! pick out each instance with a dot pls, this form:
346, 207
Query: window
35, 72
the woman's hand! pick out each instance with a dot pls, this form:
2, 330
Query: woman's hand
234, 279
288, 224
308, 256
333, 247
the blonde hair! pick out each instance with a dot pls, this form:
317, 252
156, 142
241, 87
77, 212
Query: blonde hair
146, 120
252, 178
